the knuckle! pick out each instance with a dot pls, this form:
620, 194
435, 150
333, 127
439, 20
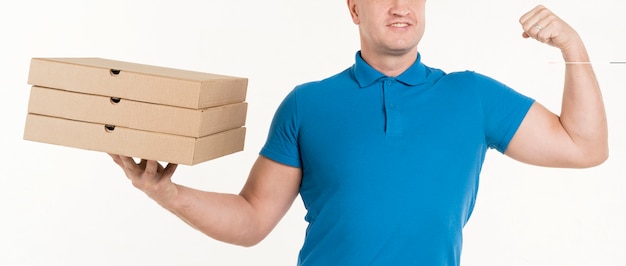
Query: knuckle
156, 187
150, 172
552, 17
129, 168
137, 183
544, 11
154, 190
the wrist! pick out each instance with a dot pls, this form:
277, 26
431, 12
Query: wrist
170, 198
575, 53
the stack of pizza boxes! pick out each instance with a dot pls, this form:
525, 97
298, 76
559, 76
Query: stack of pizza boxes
141, 111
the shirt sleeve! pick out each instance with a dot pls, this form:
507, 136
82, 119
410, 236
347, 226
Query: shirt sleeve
504, 110
282, 140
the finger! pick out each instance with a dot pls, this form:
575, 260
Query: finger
151, 168
532, 25
169, 170
116, 158
527, 15
159, 168
544, 35
129, 166
530, 14
128, 162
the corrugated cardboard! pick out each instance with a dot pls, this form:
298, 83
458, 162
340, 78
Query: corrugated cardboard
131, 142
145, 83
136, 115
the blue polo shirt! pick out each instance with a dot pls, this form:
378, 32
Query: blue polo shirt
391, 165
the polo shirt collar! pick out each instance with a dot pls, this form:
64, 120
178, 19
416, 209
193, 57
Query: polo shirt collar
366, 75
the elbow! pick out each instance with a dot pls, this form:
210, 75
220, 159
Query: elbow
601, 158
245, 242
249, 244
243, 238
248, 241
249, 237
595, 158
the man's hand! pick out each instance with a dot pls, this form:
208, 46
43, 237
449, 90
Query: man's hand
543, 25
150, 177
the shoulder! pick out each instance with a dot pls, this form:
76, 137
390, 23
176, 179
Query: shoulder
473, 81
458, 79
339, 79
467, 76
310, 93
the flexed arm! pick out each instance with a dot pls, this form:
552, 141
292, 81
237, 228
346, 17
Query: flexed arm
579, 136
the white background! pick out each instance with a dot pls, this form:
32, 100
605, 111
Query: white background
64, 206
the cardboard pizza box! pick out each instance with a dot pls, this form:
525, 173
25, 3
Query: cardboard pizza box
136, 115
139, 82
132, 142
137, 110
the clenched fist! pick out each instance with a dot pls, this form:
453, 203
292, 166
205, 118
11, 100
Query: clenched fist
543, 25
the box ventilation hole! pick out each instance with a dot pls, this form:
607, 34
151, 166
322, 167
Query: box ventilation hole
109, 128
115, 72
115, 100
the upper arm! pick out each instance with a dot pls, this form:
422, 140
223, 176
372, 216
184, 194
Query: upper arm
542, 140
271, 189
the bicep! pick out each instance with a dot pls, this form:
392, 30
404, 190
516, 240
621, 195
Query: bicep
271, 189
542, 140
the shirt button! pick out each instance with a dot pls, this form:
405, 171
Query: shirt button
388, 82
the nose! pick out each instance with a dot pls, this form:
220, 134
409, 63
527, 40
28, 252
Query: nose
400, 8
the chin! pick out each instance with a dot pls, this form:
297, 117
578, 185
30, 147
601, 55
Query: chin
398, 51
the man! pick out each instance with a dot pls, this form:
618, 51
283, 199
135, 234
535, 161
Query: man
386, 154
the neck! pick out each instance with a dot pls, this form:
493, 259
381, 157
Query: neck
392, 65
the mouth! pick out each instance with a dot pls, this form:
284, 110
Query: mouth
399, 24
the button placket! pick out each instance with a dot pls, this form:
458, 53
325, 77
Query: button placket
392, 119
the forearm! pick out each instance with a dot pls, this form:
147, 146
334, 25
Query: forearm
224, 217
243, 219
582, 114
